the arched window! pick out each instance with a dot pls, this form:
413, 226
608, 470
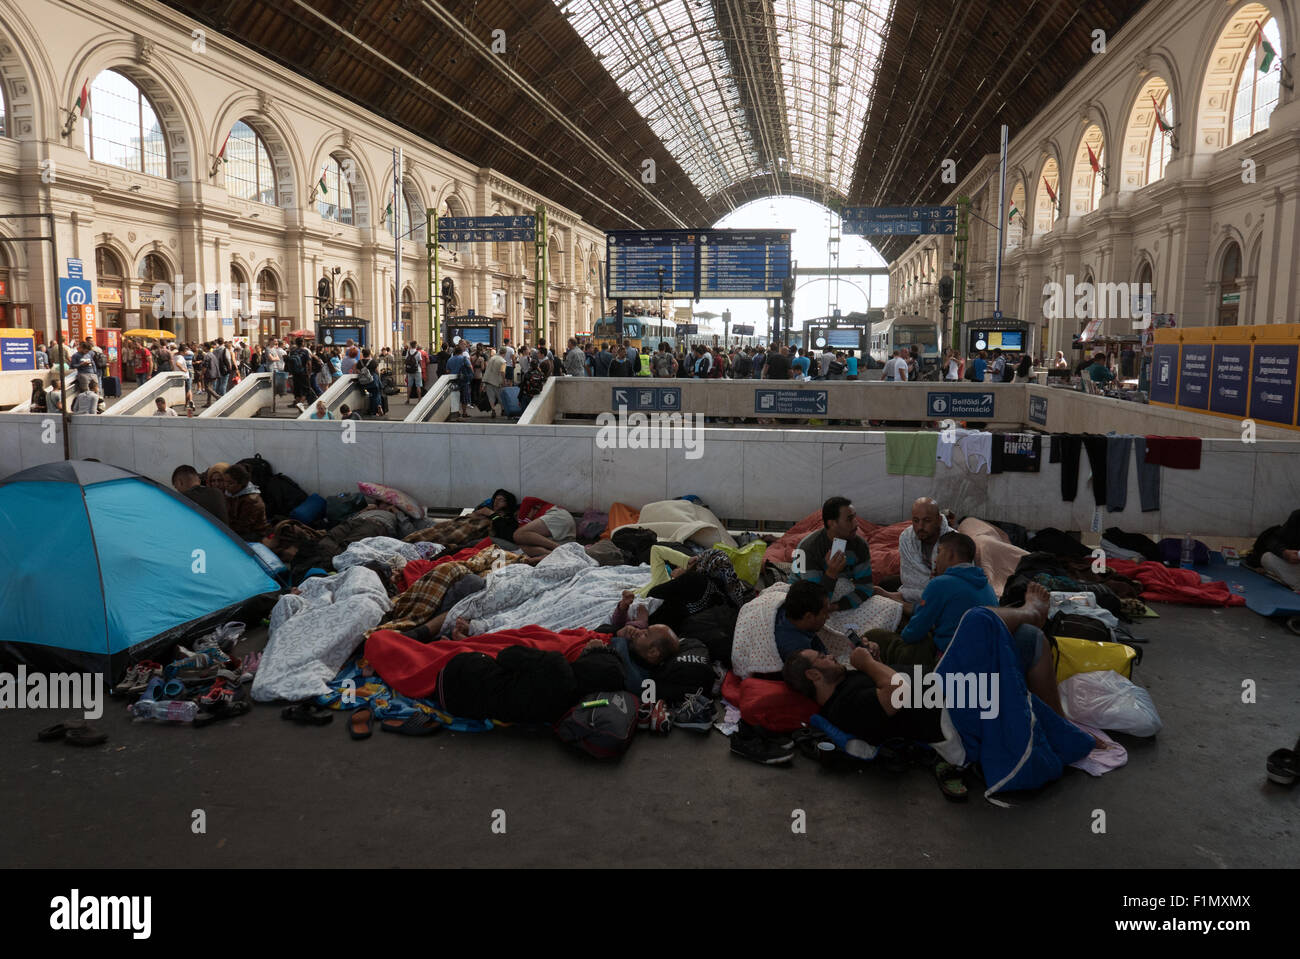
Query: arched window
4, 112
1229, 294
250, 175
1015, 222
554, 263
408, 313
1047, 197
1098, 183
348, 297
1086, 181
1258, 84
153, 272
121, 126
411, 223
335, 190
240, 296
267, 307
1160, 148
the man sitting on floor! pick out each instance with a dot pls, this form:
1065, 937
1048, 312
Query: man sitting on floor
916, 548
1277, 552
817, 562
865, 701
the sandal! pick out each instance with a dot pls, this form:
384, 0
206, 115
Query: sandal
308, 714
85, 735
59, 730
419, 724
952, 782
1284, 766
225, 711
359, 723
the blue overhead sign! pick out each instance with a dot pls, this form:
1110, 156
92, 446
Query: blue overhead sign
487, 229
743, 263
960, 406
790, 402
647, 264
898, 220
631, 398
76, 269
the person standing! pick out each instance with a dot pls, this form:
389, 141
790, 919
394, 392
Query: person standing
575, 361
412, 363
494, 379
777, 366
459, 366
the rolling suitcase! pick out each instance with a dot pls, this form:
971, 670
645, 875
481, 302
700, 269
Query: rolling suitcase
112, 386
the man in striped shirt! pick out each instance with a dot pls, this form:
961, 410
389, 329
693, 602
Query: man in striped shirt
816, 561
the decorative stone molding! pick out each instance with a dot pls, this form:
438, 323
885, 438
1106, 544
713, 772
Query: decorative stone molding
144, 50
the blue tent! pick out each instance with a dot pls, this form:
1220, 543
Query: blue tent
101, 567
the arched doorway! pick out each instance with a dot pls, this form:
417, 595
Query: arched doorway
155, 295
408, 314
1229, 306
110, 291
348, 298
267, 307
240, 305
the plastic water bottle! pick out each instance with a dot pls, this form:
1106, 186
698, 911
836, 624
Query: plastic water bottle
1189, 552
167, 710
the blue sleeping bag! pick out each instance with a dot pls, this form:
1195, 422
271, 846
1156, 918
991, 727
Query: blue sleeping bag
1026, 745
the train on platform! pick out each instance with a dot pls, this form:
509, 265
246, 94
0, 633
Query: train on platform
647, 332
910, 332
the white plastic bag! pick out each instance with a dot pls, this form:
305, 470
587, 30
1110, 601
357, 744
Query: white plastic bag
1107, 700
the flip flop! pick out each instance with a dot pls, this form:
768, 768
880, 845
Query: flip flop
224, 711
85, 735
359, 723
52, 733
416, 725
1284, 765
951, 781
308, 714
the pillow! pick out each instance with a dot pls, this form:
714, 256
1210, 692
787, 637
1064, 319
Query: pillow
769, 703
393, 497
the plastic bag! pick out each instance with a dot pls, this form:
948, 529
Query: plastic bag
747, 560
1107, 700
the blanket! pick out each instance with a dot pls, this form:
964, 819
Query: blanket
1024, 746
679, 520
567, 589
883, 541
753, 650
393, 553
1161, 584
993, 551
454, 533
314, 631
410, 574
913, 569
420, 603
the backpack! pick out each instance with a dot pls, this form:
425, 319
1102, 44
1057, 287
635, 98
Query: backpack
259, 471
101, 361
1079, 626
466, 373
364, 376
603, 729
412, 361
970, 371
715, 368
281, 495
223, 362
340, 507
293, 363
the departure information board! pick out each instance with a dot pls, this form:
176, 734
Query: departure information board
735, 264
697, 264
638, 262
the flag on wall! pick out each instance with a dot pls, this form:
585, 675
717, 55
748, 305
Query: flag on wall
84, 98
1092, 159
1161, 122
321, 185
1050, 192
1015, 212
222, 155
1266, 53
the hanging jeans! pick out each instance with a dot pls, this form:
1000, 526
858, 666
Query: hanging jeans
1117, 455
1065, 450
1148, 476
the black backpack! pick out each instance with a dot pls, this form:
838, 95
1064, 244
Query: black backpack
534, 381
293, 362
259, 470
602, 725
412, 361
281, 495
223, 362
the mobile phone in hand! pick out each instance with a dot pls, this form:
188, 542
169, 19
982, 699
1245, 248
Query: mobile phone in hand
838, 546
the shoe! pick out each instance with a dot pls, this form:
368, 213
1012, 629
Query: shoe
653, 717
759, 750
696, 712
783, 741
248, 668
137, 678
222, 693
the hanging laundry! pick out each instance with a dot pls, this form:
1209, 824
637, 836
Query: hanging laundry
1065, 450
1095, 447
1017, 452
1117, 455
1175, 452
1148, 476
911, 454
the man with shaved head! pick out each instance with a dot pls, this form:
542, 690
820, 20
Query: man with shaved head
916, 547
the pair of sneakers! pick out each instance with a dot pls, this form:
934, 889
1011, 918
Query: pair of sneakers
654, 717
137, 678
760, 746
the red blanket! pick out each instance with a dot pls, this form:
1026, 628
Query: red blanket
412, 668
768, 703
416, 568
883, 541
1161, 584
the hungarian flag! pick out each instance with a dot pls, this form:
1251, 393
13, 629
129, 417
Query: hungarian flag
1092, 159
388, 210
1015, 212
1050, 192
1161, 122
323, 188
1266, 51
222, 155
84, 99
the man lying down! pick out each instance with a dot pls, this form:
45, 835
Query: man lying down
992, 681
532, 674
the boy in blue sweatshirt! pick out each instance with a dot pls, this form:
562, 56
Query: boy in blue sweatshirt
958, 585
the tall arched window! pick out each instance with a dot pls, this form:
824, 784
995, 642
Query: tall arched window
1160, 148
1087, 182
1229, 293
121, 126
268, 304
1015, 228
1258, 84
1046, 197
250, 175
4, 112
110, 287
152, 272
335, 190
240, 304
408, 313
410, 225
1098, 184
348, 297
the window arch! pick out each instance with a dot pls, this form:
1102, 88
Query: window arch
1160, 147
554, 264
334, 188
110, 286
121, 126
410, 213
1259, 81
4, 112
250, 174
348, 297
239, 291
1087, 183
1046, 210
1015, 221
1229, 306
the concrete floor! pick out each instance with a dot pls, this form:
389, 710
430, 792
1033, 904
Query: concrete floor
276, 794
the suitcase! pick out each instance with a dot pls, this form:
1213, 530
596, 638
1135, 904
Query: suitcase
112, 386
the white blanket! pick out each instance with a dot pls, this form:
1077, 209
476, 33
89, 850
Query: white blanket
566, 590
393, 553
914, 571
314, 631
679, 520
